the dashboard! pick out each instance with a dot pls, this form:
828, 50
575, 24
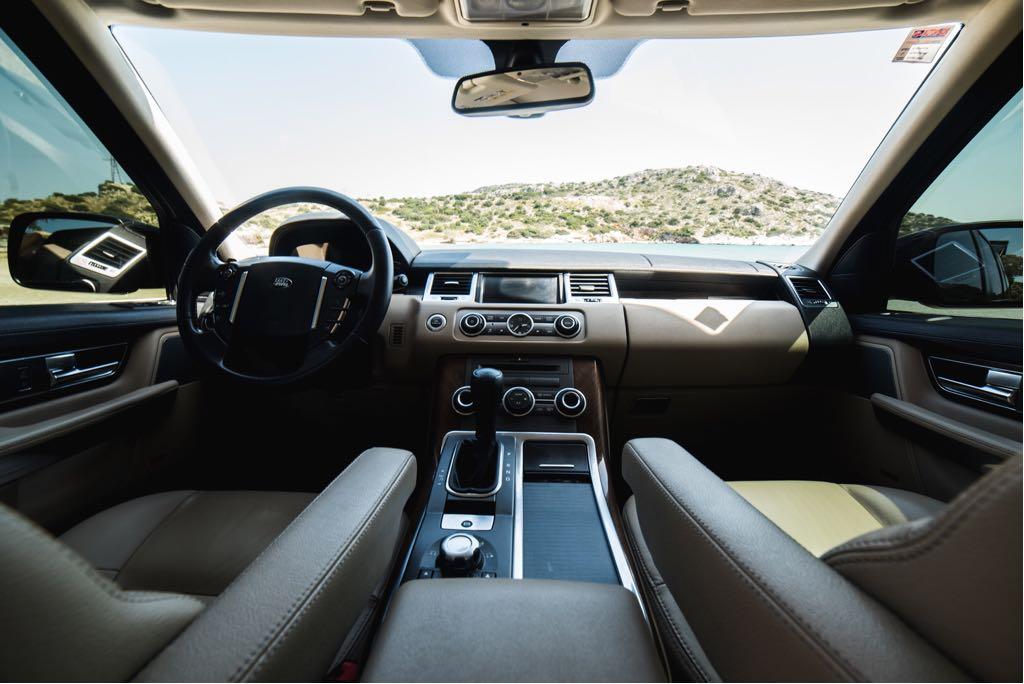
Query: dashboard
648, 319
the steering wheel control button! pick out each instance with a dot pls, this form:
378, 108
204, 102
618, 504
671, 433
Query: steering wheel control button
462, 401
567, 326
518, 401
460, 553
227, 271
342, 279
436, 322
520, 324
472, 324
570, 402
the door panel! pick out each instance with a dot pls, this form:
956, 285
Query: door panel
64, 457
949, 443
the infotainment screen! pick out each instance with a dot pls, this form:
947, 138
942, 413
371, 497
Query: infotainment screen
502, 289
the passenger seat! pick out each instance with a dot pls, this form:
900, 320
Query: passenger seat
821, 515
816, 581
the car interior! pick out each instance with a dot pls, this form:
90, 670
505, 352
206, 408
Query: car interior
355, 456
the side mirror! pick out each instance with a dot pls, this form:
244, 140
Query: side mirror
968, 265
81, 253
524, 92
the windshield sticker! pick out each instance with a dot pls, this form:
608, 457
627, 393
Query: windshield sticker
922, 45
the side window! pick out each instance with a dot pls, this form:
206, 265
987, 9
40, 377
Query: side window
958, 251
74, 222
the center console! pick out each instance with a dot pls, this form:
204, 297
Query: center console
519, 491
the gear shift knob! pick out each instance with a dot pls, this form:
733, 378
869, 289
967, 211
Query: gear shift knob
475, 464
485, 387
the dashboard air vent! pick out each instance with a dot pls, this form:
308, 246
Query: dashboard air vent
590, 286
397, 337
451, 284
811, 291
112, 252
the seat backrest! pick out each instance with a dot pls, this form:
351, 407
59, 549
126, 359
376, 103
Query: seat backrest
955, 578
765, 608
63, 621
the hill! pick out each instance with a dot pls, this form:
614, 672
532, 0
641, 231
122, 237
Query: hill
691, 204
683, 205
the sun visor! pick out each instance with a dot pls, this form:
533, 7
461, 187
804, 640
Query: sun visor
351, 8
646, 8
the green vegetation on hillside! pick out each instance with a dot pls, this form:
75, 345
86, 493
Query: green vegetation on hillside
120, 200
684, 205
691, 204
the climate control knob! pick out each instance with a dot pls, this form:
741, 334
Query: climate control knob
570, 402
472, 324
460, 554
518, 401
567, 326
462, 401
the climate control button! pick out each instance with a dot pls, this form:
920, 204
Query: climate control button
518, 401
570, 402
567, 326
472, 324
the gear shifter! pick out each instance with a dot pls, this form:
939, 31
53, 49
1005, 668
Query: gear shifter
475, 465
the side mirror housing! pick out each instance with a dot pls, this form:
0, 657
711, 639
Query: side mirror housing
966, 265
82, 253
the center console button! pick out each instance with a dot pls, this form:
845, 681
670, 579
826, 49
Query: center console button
436, 322
518, 401
520, 324
567, 326
472, 324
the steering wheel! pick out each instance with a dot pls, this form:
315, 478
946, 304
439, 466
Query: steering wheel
275, 320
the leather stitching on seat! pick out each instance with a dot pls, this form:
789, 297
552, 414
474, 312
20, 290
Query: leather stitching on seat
170, 513
309, 595
680, 640
103, 584
777, 605
931, 538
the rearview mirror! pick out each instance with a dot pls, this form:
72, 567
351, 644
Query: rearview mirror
81, 253
524, 92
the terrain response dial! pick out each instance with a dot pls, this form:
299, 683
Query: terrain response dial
472, 324
570, 402
520, 324
567, 326
460, 554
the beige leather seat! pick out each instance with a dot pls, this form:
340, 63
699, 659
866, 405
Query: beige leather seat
821, 515
185, 542
816, 581
203, 586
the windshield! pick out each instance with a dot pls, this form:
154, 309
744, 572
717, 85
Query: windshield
688, 144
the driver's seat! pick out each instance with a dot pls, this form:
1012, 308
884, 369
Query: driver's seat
186, 542
203, 586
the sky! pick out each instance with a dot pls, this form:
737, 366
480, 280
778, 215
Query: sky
368, 118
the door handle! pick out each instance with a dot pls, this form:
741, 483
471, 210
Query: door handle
1000, 386
64, 371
